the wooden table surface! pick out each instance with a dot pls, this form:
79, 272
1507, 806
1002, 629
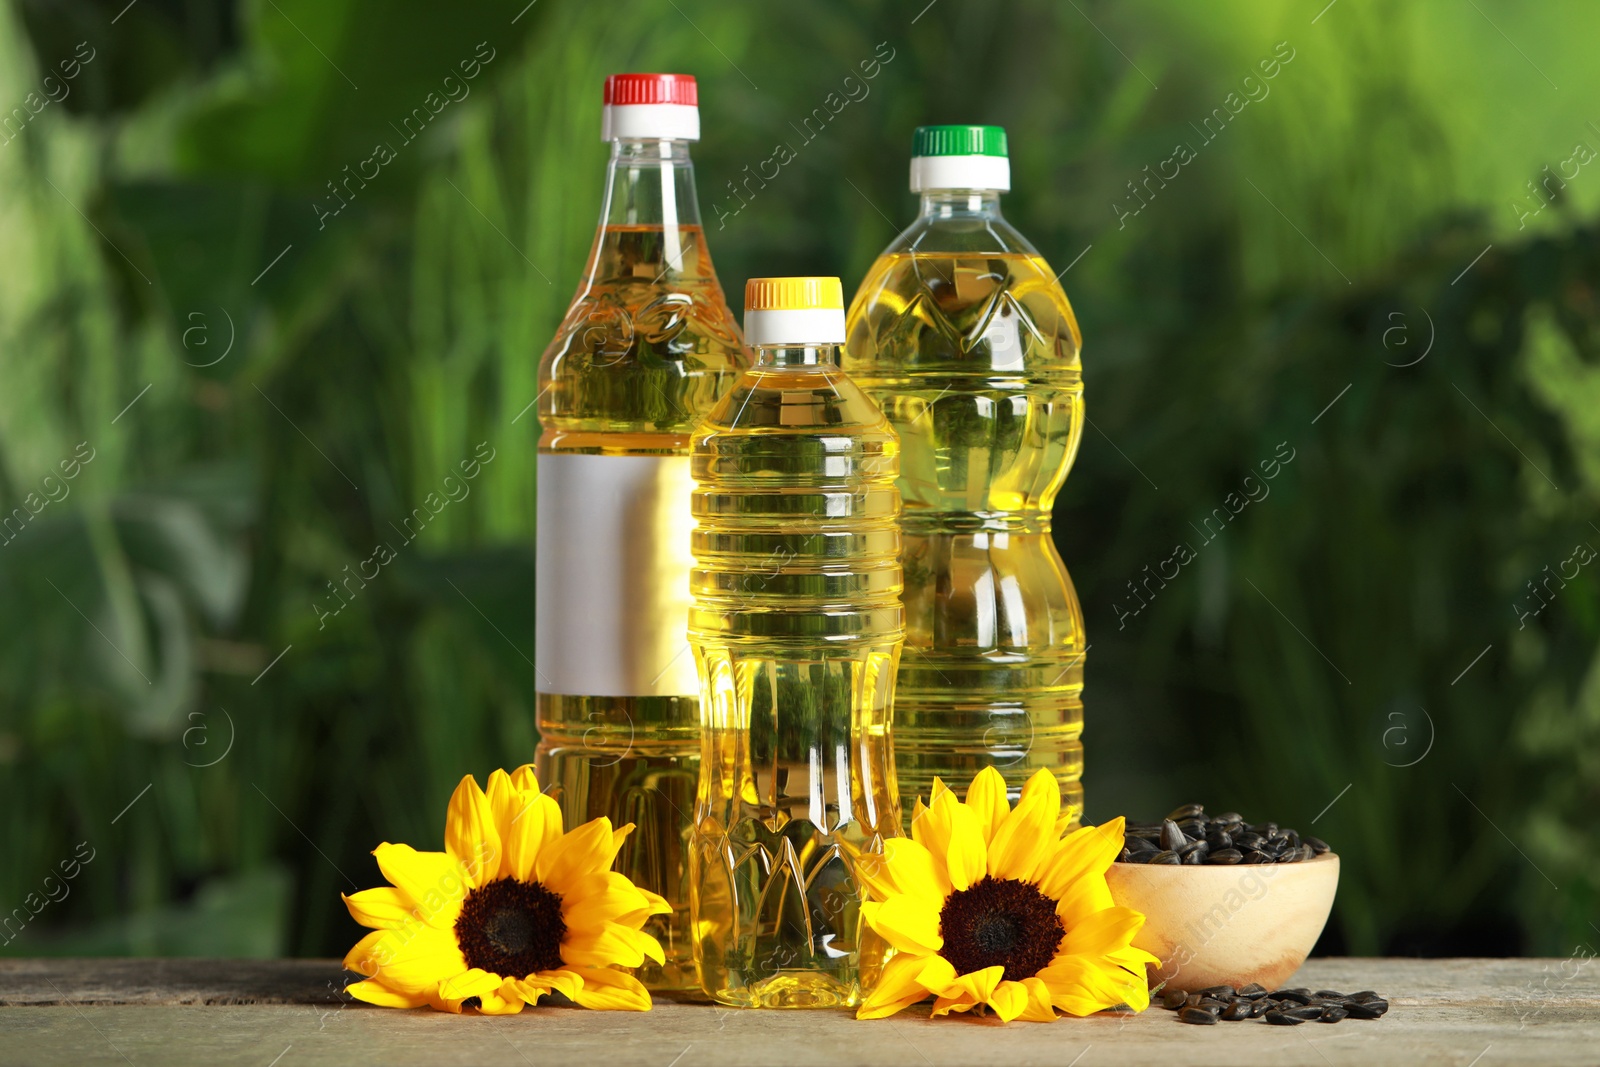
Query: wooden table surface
285, 1013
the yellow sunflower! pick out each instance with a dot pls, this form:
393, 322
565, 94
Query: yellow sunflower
984, 904
511, 909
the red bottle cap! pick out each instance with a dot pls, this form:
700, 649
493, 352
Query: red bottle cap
652, 89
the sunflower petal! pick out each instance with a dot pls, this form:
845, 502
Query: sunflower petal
1021, 841
987, 796
502, 797
1083, 897
525, 780
470, 834
1102, 932
504, 1000
605, 989
937, 974
411, 959
566, 982
966, 854
470, 983
1009, 999
373, 991
534, 822
611, 943
969, 990
1039, 1009
600, 898
383, 908
1081, 985
435, 881
654, 904
1089, 850
877, 878
897, 987
915, 871
587, 849
1043, 785
908, 923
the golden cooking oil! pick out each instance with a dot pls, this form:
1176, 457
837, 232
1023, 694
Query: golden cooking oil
796, 628
647, 347
963, 335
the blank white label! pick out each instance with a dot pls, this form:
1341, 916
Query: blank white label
612, 565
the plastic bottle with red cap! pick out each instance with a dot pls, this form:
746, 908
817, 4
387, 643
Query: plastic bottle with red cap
646, 348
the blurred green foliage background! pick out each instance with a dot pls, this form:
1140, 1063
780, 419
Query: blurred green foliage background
1385, 259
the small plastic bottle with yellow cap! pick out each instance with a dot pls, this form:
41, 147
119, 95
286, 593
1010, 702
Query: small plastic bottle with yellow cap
796, 629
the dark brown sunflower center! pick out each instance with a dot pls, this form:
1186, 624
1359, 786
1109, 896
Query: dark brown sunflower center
1000, 922
511, 928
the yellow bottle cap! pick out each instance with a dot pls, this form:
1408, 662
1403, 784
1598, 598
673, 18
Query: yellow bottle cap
793, 311
792, 294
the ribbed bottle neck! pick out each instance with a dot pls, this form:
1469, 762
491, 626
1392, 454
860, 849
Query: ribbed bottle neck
777, 357
961, 204
650, 183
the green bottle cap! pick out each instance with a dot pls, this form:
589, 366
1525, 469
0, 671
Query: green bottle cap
959, 141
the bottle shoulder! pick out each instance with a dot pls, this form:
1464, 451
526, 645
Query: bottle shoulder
961, 234
648, 343
997, 315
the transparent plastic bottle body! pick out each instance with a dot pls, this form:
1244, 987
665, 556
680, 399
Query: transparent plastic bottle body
796, 628
646, 349
965, 339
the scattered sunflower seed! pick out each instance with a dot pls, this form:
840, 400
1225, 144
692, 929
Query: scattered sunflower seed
1283, 1007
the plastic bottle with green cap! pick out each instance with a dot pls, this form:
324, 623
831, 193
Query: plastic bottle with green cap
964, 337
796, 629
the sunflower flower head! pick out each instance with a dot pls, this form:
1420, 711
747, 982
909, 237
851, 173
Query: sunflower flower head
986, 904
513, 908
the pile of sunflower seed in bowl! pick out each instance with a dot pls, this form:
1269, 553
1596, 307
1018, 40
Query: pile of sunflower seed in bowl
1186, 835
1284, 1007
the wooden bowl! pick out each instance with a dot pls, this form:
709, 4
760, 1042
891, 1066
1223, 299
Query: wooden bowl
1227, 925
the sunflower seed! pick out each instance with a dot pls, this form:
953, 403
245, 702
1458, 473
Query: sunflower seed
1332, 1013
1168, 856
1224, 855
1198, 1016
1367, 1009
1253, 991
1187, 829
1218, 991
1278, 1018
1298, 994
1173, 999
1260, 1007
1239, 1009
